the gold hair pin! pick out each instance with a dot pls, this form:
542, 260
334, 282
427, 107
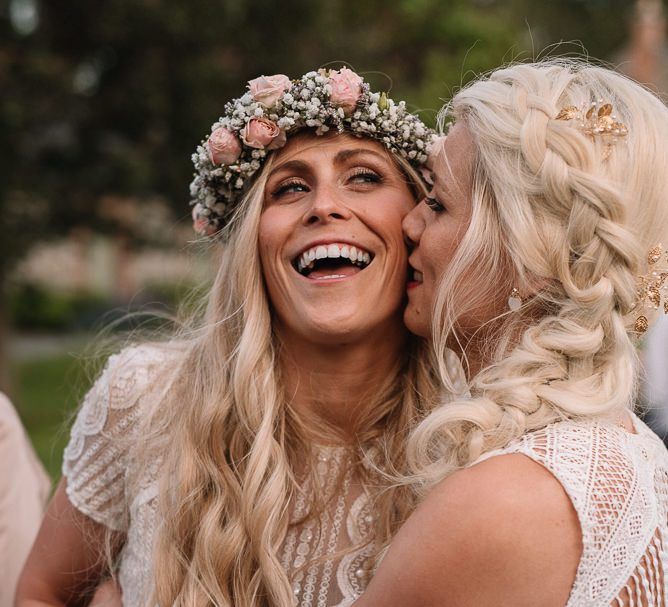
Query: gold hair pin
652, 287
596, 120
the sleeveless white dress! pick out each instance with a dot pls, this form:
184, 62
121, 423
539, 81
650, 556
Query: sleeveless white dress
98, 459
617, 482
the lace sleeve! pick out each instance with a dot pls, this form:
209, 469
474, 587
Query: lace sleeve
95, 461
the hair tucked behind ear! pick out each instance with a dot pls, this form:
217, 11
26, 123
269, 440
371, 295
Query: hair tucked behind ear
569, 222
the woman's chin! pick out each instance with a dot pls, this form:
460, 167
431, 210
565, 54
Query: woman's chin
417, 322
335, 330
339, 326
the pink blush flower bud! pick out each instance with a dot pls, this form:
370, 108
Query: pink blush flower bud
262, 132
223, 146
346, 89
267, 90
201, 224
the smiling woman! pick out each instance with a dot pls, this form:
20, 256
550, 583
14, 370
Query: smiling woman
334, 204
243, 463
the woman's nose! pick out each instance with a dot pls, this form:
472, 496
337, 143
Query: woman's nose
413, 226
326, 206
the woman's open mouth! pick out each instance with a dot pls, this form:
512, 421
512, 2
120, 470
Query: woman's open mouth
415, 278
332, 261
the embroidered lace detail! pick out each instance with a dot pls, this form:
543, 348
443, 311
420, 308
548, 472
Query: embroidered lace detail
618, 484
347, 523
97, 462
356, 568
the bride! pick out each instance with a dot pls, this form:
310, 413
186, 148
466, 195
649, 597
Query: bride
242, 463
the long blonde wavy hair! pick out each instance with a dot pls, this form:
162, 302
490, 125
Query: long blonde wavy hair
231, 440
569, 221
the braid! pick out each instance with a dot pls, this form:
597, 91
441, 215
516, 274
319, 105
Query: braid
565, 211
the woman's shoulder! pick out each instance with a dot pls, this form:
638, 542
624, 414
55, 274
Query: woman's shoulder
10, 424
485, 532
574, 450
611, 472
130, 381
97, 459
592, 456
135, 374
136, 366
546, 507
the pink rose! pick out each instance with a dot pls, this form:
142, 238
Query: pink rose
278, 141
261, 133
201, 224
267, 90
346, 89
223, 146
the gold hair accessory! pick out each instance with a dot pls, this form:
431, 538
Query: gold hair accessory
596, 120
652, 287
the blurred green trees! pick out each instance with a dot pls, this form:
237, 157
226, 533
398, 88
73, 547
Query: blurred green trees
110, 99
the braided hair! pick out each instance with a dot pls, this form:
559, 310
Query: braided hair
569, 220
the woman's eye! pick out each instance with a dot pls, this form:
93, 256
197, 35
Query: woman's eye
365, 176
434, 204
290, 187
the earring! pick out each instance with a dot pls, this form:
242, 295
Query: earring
514, 301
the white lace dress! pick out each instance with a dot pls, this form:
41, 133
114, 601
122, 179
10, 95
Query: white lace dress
97, 462
618, 484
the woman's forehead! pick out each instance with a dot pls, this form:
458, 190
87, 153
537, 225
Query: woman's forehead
454, 162
459, 142
306, 143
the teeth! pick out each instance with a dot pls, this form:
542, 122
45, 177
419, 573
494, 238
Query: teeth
417, 276
333, 251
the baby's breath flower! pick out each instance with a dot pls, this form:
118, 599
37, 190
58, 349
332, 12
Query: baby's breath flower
304, 103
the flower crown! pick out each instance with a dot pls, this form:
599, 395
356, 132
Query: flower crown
258, 122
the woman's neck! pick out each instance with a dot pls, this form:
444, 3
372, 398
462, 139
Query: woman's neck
337, 383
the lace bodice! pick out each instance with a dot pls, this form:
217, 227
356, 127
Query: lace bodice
98, 461
618, 484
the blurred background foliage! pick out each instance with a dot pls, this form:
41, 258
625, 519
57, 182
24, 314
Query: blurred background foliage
102, 104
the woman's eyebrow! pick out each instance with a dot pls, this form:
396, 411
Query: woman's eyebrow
291, 165
345, 155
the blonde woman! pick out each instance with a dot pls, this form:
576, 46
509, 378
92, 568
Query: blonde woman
238, 465
536, 255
